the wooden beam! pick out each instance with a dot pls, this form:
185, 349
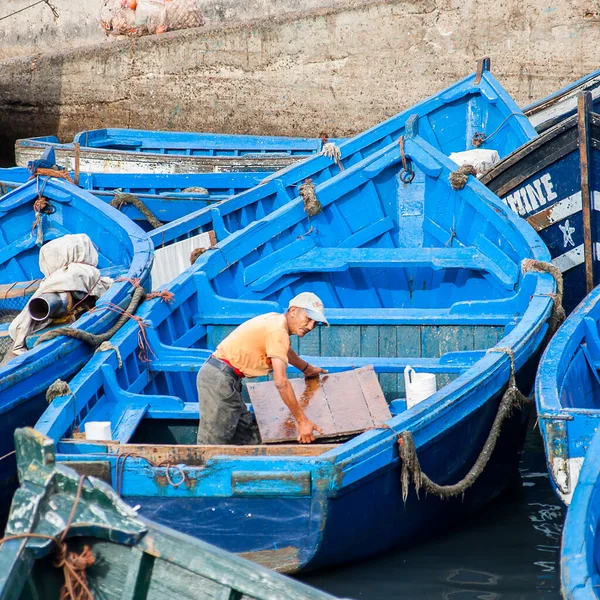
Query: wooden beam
584, 104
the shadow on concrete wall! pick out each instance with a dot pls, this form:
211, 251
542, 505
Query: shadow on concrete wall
29, 105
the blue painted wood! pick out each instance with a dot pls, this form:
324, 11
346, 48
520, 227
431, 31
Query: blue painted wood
440, 319
542, 182
448, 121
568, 394
167, 195
136, 151
580, 550
124, 251
556, 107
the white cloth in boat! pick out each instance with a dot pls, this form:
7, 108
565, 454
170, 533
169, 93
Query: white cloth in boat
480, 159
69, 264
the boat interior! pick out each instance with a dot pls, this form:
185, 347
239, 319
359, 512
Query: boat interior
412, 274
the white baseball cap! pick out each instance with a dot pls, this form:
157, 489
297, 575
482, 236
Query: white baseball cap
312, 304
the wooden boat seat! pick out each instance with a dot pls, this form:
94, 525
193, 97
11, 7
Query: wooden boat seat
260, 275
450, 362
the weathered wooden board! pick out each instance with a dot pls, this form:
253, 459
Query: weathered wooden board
341, 404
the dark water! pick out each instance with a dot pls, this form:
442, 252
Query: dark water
508, 551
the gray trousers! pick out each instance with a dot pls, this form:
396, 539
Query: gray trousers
224, 417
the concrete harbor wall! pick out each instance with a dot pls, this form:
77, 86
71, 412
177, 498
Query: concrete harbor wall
333, 65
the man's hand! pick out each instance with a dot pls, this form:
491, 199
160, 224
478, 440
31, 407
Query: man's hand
305, 431
312, 371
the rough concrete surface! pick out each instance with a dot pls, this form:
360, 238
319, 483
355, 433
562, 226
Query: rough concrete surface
338, 68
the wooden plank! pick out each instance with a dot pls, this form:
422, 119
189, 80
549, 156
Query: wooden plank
139, 575
341, 404
584, 104
371, 390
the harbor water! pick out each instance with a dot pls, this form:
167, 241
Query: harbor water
509, 551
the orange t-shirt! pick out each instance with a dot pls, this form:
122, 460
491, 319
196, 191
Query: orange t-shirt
251, 346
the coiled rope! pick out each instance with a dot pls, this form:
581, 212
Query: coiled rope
120, 199
57, 389
312, 206
458, 179
411, 467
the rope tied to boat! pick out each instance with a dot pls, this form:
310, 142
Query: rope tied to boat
479, 137
195, 190
330, 150
41, 206
406, 174
411, 466
73, 564
121, 199
52, 172
57, 389
107, 347
120, 469
92, 339
529, 265
312, 206
458, 179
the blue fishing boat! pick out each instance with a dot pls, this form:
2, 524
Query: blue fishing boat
159, 198
413, 272
38, 214
579, 566
568, 394
556, 107
473, 113
139, 151
57, 517
554, 182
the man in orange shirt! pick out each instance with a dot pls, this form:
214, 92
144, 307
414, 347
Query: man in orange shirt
256, 348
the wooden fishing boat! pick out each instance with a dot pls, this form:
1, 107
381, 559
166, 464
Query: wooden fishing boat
475, 112
554, 182
556, 107
413, 273
579, 568
56, 513
568, 394
124, 251
167, 196
139, 151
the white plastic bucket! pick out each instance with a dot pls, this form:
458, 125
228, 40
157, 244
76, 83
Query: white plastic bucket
98, 430
419, 386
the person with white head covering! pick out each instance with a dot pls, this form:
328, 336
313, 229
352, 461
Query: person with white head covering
256, 348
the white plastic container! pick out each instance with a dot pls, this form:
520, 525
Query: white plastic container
419, 386
98, 430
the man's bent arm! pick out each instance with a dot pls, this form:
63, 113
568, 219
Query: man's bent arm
284, 387
303, 365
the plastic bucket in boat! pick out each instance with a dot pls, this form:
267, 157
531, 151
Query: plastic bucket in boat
419, 386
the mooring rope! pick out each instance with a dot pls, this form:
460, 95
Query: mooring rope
411, 467
107, 347
558, 312
97, 339
120, 199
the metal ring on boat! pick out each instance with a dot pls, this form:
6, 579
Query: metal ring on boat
406, 175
